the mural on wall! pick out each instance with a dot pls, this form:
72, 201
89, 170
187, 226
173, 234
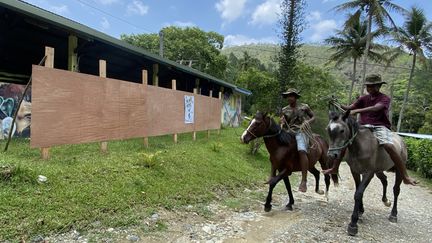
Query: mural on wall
9, 98
231, 109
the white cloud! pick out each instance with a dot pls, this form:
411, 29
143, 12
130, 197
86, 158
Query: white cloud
230, 9
322, 29
105, 24
314, 16
137, 7
60, 10
266, 13
237, 40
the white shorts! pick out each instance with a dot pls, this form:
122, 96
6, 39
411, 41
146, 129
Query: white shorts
383, 134
302, 141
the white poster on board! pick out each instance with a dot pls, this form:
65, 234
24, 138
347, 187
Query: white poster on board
189, 108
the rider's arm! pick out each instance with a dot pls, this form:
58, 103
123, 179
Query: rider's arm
311, 115
347, 107
376, 107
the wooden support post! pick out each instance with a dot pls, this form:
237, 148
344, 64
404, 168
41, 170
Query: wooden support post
102, 73
155, 74
144, 77
145, 82
49, 53
102, 68
49, 62
210, 95
220, 100
72, 55
174, 87
195, 91
45, 153
197, 83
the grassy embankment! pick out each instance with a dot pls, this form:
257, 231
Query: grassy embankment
122, 187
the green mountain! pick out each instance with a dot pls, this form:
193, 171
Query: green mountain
318, 55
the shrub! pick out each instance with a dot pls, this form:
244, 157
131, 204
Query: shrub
419, 156
150, 159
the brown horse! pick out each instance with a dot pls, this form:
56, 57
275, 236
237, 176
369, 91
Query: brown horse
284, 158
365, 158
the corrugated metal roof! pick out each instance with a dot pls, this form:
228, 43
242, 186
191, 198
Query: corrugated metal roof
415, 135
84, 31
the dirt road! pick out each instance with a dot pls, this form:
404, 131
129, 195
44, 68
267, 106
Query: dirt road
314, 219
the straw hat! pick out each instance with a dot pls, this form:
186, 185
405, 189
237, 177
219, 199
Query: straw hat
374, 79
291, 91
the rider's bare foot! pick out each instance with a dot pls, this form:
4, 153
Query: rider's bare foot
330, 171
409, 181
303, 186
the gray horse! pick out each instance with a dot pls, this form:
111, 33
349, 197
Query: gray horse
365, 158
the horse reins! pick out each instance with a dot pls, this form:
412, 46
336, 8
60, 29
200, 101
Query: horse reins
266, 136
347, 143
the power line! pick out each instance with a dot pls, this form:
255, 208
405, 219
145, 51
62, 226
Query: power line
113, 16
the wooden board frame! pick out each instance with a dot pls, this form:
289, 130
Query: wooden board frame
73, 108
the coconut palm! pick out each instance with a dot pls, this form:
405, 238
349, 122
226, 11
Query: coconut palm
350, 43
416, 37
377, 13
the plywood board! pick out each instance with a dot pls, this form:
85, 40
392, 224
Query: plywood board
72, 108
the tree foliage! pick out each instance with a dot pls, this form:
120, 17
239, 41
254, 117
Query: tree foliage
376, 12
185, 45
349, 44
415, 36
292, 22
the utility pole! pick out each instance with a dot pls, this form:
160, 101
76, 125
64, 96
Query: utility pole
161, 43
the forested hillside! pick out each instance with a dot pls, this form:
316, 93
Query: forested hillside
396, 75
318, 55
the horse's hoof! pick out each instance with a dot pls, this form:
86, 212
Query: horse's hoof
289, 207
393, 219
267, 208
321, 192
352, 230
387, 203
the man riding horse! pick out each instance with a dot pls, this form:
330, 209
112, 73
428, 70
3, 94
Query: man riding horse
296, 118
373, 109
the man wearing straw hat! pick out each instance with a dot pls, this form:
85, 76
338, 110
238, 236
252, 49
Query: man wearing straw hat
373, 109
296, 118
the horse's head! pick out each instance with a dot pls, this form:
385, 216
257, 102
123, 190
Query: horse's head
258, 127
339, 132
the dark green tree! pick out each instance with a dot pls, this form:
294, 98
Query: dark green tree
416, 37
376, 12
187, 45
349, 44
293, 23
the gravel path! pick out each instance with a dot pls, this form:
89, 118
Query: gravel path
314, 219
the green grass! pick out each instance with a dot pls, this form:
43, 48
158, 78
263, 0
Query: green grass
122, 187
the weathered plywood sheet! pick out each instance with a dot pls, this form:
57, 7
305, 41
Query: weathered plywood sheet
72, 108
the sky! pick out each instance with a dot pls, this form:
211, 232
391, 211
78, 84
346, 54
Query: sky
240, 21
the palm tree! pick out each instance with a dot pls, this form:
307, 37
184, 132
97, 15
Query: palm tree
377, 13
416, 37
350, 44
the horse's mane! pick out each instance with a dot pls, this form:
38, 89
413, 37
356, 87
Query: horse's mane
353, 124
283, 137
349, 120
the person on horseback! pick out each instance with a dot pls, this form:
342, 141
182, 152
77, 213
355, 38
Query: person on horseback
297, 118
373, 109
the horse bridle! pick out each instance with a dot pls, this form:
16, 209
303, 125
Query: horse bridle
265, 136
347, 143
